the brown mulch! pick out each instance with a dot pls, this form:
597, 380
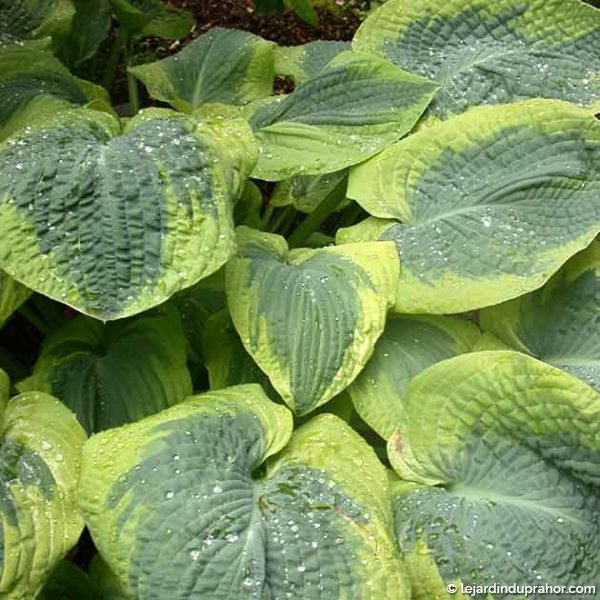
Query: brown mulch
284, 28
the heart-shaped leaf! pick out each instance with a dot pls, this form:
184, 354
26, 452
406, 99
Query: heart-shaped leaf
115, 373
309, 318
172, 504
559, 323
502, 456
355, 107
408, 346
115, 224
303, 63
40, 448
223, 66
491, 52
491, 203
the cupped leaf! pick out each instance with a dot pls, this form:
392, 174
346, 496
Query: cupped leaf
115, 224
408, 346
355, 107
503, 452
559, 323
226, 359
40, 450
306, 192
309, 318
491, 203
34, 84
172, 504
12, 295
491, 52
303, 63
222, 66
115, 373
153, 17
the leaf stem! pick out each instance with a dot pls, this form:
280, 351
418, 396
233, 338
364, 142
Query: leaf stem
30, 314
110, 72
280, 218
132, 84
314, 220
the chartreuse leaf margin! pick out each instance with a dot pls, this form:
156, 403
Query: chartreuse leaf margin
356, 106
499, 457
559, 323
174, 509
222, 66
113, 223
483, 207
491, 52
114, 373
309, 318
40, 457
408, 346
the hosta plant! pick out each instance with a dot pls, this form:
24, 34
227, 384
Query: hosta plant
341, 343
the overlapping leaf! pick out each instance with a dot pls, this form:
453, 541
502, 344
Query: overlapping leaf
223, 66
34, 85
560, 323
355, 107
172, 505
40, 446
408, 346
309, 318
35, 18
303, 63
12, 295
485, 206
114, 224
502, 456
226, 359
153, 17
115, 373
491, 52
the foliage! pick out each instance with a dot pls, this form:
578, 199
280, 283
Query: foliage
342, 342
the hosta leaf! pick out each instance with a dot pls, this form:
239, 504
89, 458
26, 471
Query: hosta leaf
153, 17
196, 305
172, 504
12, 295
408, 346
305, 62
40, 447
222, 66
34, 84
226, 359
504, 453
491, 52
492, 203
91, 26
249, 207
67, 582
309, 318
35, 18
306, 192
115, 373
355, 107
560, 323
114, 224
